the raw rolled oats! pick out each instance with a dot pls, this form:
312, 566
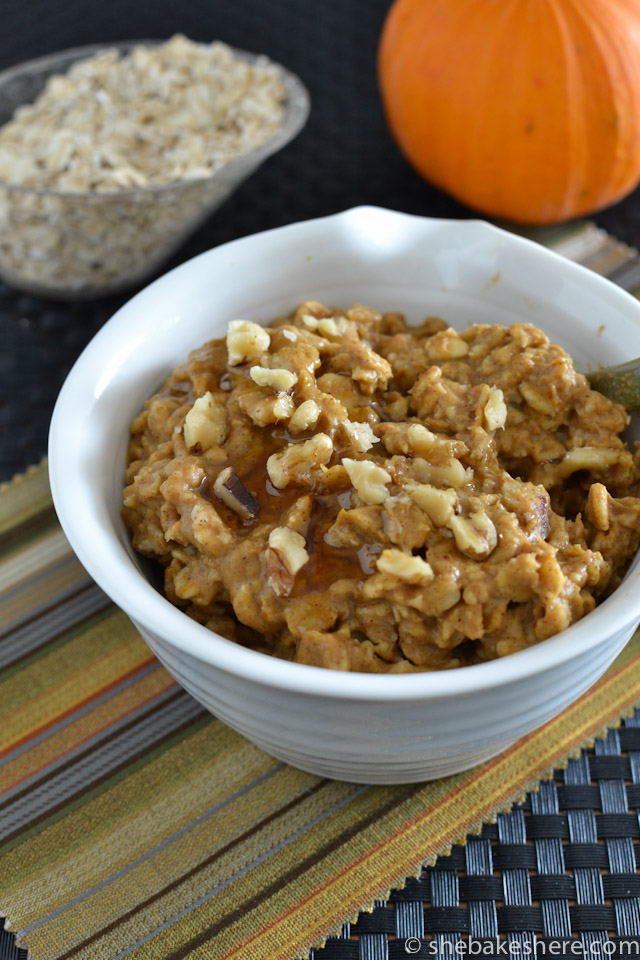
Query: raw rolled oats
73, 162
152, 116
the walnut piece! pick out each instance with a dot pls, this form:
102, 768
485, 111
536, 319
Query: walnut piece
265, 408
446, 345
206, 424
246, 341
414, 570
495, 410
305, 416
439, 505
368, 478
291, 546
476, 537
449, 474
297, 460
361, 435
326, 326
278, 379
421, 440
232, 491
587, 458
284, 557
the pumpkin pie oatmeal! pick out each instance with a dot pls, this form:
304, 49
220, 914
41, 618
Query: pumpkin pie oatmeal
343, 490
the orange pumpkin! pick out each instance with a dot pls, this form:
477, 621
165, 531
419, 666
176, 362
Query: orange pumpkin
527, 110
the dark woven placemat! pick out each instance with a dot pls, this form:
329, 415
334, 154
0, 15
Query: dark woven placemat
556, 875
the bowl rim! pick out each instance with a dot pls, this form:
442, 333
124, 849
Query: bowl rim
152, 611
297, 109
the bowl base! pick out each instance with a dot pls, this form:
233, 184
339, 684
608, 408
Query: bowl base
388, 775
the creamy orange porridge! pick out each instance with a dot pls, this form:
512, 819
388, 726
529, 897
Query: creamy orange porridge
343, 490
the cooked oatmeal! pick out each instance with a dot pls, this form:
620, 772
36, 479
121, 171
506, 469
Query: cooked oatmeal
343, 490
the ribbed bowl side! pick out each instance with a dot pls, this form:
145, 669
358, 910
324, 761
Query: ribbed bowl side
385, 742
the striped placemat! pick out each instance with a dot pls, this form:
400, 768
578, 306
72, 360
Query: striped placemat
133, 824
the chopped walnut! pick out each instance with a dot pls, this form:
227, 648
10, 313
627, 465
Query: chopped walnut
304, 417
283, 407
285, 555
206, 423
446, 345
326, 326
476, 536
449, 474
414, 570
587, 458
246, 341
232, 491
439, 505
483, 522
265, 408
420, 439
361, 435
278, 379
369, 479
297, 461
495, 411
291, 546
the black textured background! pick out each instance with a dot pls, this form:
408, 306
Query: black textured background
343, 157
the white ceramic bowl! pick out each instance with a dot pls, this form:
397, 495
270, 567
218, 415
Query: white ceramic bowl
360, 727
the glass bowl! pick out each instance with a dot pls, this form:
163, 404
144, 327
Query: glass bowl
81, 246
